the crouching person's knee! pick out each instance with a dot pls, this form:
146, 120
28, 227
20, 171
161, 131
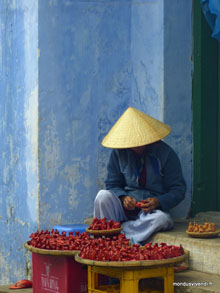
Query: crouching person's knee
103, 196
108, 205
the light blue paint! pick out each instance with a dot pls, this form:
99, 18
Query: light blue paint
84, 85
18, 164
178, 88
147, 57
96, 58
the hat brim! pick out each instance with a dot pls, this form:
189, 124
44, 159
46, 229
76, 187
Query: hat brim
133, 129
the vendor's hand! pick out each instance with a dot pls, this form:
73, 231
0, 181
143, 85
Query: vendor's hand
128, 202
150, 204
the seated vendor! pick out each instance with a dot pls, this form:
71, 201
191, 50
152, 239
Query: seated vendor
142, 168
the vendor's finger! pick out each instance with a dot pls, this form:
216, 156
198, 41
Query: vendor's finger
146, 205
127, 203
146, 200
127, 200
130, 200
134, 202
131, 205
147, 210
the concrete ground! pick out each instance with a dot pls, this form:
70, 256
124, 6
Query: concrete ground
197, 282
5, 289
186, 282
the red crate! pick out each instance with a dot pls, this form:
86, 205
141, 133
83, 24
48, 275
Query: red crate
58, 274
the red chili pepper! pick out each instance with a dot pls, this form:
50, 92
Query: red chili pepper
103, 224
139, 204
117, 248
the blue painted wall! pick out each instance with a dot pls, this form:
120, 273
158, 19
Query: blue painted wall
84, 84
147, 47
71, 68
18, 136
178, 69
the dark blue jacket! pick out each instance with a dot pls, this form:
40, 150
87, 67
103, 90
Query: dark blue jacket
164, 178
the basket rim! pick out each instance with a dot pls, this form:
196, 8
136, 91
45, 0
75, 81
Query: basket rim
104, 232
49, 251
138, 263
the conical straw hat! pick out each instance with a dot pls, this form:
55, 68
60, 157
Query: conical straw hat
135, 128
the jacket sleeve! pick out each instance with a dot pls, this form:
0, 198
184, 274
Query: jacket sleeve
174, 183
115, 180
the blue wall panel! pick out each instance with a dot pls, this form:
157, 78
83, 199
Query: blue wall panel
178, 87
147, 57
18, 136
84, 84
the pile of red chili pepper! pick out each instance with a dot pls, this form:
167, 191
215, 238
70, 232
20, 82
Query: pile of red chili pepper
55, 241
116, 248
103, 224
119, 249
